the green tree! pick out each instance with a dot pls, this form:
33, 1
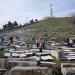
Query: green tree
10, 25
32, 21
15, 24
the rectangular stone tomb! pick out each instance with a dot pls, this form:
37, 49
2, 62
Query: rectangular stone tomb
30, 71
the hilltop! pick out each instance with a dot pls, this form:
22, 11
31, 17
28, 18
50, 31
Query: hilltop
57, 28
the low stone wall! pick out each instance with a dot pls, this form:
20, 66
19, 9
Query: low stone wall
30, 71
68, 68
2, 63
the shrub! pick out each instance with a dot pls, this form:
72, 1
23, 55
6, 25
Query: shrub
2, 53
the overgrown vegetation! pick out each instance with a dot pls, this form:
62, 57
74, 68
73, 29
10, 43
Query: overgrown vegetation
2, 53
14, 25
56, 71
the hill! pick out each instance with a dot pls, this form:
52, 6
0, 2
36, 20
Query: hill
57, 28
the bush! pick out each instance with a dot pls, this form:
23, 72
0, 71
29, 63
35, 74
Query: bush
56, 71
2, 53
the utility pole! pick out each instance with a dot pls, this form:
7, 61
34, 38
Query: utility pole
51, 10
26, 19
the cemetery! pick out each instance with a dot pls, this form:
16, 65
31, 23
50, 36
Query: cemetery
22, 58
37, 37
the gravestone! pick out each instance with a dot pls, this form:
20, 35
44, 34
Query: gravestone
30, 71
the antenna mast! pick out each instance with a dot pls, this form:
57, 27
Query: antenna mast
51, 11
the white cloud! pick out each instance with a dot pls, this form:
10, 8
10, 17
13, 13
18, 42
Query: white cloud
20, 9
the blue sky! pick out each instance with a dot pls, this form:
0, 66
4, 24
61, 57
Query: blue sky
24, 10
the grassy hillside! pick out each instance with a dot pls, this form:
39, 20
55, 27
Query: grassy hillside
58, 28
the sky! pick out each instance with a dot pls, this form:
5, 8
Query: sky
24, 10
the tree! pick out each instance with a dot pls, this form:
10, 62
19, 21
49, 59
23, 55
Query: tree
36, 20
31, 21
5, 26
10, 25
15, 24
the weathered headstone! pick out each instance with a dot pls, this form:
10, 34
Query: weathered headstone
30, 71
